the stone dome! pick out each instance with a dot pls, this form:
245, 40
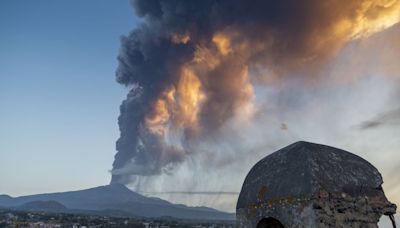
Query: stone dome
303, 169
312, 185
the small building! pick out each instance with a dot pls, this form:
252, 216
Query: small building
312, 185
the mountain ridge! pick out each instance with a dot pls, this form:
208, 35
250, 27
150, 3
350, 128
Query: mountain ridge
116, 197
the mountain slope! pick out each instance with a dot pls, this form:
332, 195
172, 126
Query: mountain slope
119, 198
53, 206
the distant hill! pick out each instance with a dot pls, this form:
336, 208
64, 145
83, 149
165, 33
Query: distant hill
53, 206
114, 198
5, 199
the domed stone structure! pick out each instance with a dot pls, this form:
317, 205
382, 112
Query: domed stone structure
312, 185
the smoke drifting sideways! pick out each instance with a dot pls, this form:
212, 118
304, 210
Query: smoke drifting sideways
193, 66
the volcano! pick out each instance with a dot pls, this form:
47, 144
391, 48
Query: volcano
114, 199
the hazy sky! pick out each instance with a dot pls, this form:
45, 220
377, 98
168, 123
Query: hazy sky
58, 96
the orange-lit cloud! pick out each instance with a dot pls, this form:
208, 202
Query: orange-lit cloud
198, 63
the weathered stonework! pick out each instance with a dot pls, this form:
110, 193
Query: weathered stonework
311, 185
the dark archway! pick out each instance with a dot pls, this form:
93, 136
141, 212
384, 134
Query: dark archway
269, 223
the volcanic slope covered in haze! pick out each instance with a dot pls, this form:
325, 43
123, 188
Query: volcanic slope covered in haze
117, 198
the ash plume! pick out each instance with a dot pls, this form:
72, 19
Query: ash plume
192, 67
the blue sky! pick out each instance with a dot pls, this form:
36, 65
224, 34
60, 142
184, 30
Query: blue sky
58, 96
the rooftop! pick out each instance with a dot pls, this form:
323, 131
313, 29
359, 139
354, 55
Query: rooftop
302, 169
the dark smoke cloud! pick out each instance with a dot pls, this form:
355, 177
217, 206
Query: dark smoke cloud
390, 118
201, 52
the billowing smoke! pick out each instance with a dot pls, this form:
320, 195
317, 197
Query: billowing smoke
194, 66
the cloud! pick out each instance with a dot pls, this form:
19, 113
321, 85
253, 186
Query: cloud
390, 118
217, 85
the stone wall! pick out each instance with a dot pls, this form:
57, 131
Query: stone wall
343, 210
291, 212
324, 210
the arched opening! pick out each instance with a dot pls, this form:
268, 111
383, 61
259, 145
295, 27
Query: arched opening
269, 223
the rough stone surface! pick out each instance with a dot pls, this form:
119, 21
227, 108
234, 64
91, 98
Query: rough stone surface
312, 185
